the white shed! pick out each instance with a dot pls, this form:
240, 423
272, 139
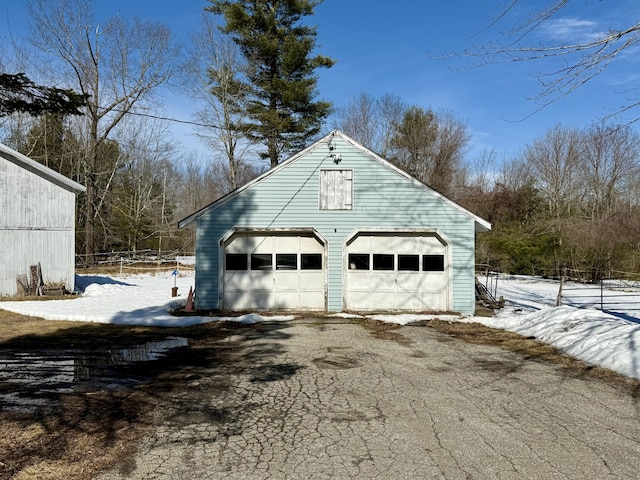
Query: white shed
37, 222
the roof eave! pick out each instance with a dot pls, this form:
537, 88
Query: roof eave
39, 169
481, 225
185, 222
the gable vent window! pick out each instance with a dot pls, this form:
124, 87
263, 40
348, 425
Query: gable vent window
336, 189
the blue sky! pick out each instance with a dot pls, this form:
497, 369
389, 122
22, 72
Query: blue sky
394, 47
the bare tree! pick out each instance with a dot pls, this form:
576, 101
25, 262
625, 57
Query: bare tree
555, 164
360, 119
448, 173
431, 147
118, 64
198, 187
515, 172
482, 170
216, 65
610, 155
372, 121
578, 59
140, 211
392, 109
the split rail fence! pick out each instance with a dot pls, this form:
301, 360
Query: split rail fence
140, 261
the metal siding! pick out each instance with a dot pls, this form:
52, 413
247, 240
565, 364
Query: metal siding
30, 201
37, 225
52, 249
381, 199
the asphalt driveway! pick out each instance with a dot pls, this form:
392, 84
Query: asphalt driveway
322, 400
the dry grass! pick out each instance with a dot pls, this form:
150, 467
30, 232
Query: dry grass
89, 434
383, 330
532, 349
13, 325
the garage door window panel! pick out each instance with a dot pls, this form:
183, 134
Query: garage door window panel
433, 263
286, 261
358, 261
236, 261
311, 261
383, 261
408, 263
261, 261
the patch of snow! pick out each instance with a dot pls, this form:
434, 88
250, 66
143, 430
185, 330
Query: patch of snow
345, 315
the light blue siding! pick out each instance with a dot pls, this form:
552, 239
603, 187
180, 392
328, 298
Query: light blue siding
383, 198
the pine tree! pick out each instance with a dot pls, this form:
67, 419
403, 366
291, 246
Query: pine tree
280, 72
19, 94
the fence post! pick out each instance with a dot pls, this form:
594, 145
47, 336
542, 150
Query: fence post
559, 300
486, 273
601, 295
121, 261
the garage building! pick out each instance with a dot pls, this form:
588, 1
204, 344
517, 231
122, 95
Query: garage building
335, 227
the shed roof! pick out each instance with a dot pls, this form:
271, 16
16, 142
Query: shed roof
39, 169
481, 225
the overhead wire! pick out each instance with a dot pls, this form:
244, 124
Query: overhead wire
160, 117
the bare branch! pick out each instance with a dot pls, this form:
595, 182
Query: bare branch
578, 61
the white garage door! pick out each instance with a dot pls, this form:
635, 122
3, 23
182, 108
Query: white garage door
397, 272
269, 272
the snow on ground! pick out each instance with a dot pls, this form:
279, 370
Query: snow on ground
125, 300
607, 339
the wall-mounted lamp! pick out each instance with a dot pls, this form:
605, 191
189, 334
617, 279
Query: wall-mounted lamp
330, 142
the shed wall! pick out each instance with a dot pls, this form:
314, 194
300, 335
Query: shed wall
37, 225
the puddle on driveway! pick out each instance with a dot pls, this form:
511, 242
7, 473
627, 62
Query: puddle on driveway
30, 379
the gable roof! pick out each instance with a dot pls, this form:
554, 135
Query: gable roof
481, 225
39, 169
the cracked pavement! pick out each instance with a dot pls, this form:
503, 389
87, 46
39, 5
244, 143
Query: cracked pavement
330, 400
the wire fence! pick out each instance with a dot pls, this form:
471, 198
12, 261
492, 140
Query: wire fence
618, 293
607, 294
